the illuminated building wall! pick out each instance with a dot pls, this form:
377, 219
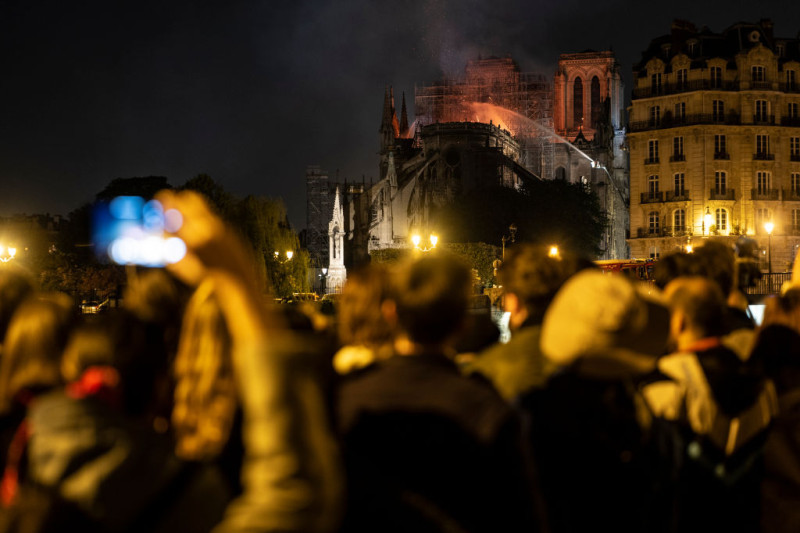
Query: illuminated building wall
715, 130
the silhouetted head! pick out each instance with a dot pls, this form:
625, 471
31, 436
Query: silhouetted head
431, 296
360, 320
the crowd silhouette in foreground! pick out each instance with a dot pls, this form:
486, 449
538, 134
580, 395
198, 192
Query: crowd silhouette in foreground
200, 405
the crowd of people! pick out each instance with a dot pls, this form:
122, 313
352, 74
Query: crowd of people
200, 405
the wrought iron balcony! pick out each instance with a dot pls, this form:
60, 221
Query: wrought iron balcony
727, 194
652, 197
790, 121
680, 196
651, 161
763, 156
722, 155
764, 194
677, 157
764, 120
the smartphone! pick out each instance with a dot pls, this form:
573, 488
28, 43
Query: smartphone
130, 230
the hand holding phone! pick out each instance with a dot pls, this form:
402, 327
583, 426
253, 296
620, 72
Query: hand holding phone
130, 230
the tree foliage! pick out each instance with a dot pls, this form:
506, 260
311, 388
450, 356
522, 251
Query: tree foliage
546, 212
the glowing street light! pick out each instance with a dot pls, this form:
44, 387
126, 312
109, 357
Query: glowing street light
289, 255
553, 252
416, 240
708, 220
7, 254
689, 248
769, 226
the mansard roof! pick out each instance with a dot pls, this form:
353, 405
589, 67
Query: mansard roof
703, 45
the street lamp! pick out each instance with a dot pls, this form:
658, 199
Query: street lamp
707, 221
553, 252
289, 255
324, 278
512, 230
769, 226
416, 240
9, 254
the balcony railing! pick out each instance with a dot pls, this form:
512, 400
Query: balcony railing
649, 232
677, 157
764, 120
790, 87
652, 197
651, 161
790, 121
791, 195
680, 196
794, 157
722, 155
761, 85
732, 119
763, 156
727, 194
676, 231
683, 87
764, 194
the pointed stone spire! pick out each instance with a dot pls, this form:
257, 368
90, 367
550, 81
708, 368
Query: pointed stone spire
386, 121
336, 206
404, 118
395, 124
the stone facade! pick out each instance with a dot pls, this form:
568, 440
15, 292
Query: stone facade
715, 140
589, 119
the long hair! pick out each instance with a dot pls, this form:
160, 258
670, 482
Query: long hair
205, 390
34, 344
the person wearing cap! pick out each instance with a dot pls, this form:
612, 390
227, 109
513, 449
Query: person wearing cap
530, 278
587, 431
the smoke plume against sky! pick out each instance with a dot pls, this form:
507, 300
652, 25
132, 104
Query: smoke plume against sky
251, 92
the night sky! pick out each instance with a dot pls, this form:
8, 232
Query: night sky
253, 92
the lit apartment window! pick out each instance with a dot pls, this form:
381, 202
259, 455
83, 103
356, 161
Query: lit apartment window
677, 148
796, 183
653, 222
655, 83
722, 219
794, 148
720, 182
655, 115
679, 184
718, 110
680, 111
652, 150
761, 111
758, 73
652, 186
762, 145
681, 78
763, 182
720, 145
679, 219
716, 77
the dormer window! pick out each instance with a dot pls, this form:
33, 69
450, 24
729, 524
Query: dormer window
780, 48
758, 73
655, 83
691, 47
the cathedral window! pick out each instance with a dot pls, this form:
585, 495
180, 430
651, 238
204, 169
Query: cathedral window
597, 110
577, 102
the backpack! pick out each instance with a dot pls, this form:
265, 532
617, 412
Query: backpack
712, 481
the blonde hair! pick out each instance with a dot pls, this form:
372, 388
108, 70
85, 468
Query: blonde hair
205, 390
34, 344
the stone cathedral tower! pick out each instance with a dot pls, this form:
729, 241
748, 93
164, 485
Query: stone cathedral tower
337, 274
